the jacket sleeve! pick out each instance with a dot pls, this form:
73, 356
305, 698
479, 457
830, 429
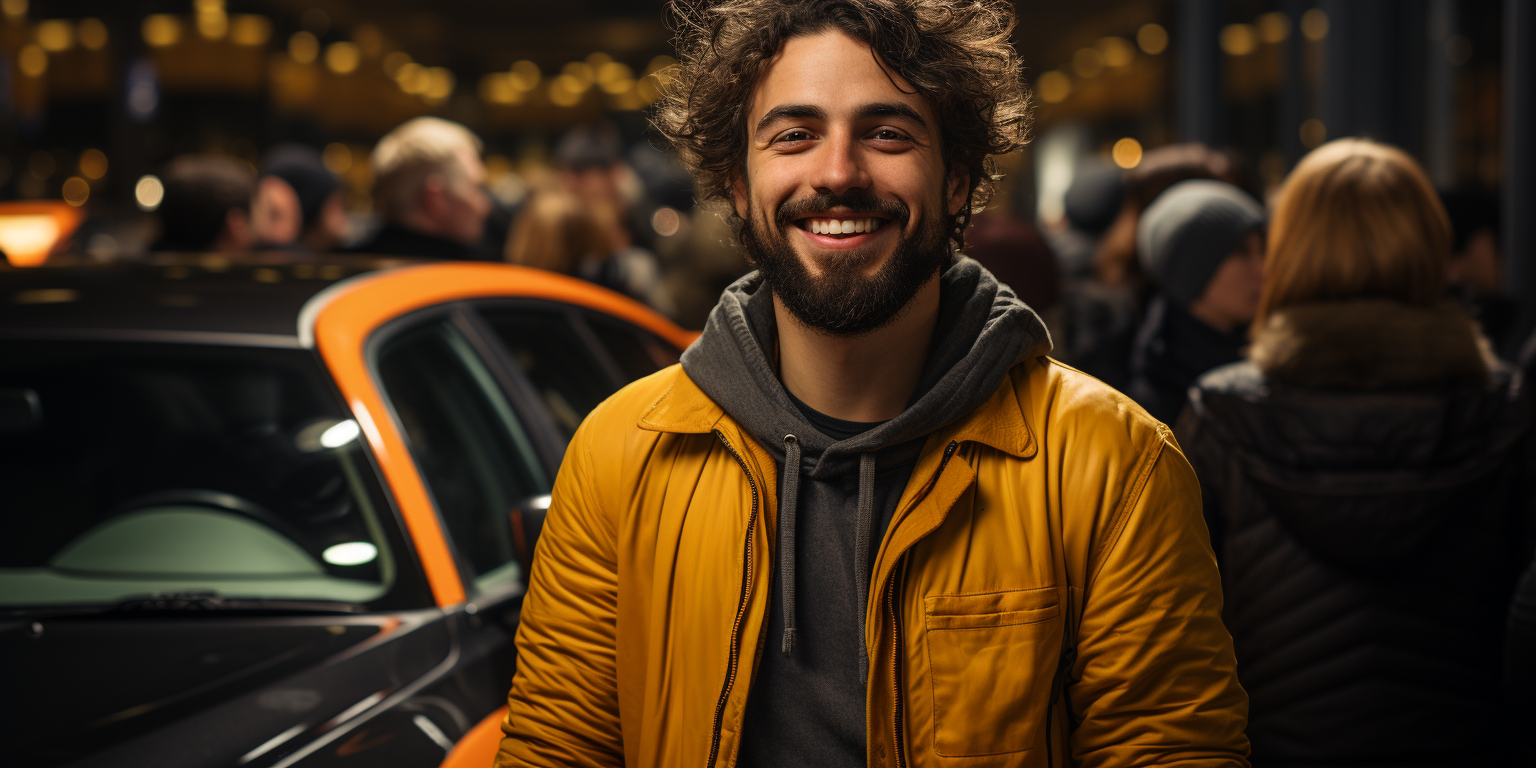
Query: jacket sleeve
1155, 681
563, 707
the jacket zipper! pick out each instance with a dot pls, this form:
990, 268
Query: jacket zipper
899, 707
741, 606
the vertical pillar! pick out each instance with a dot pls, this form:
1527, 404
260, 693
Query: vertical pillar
1199, 101
1294, 106
1519, 192
1440, 125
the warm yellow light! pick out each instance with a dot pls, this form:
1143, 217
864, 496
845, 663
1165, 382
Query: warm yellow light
76, 191
1274, 27
337, 158
1313, 133
1314, 24
212, 24
1152, 39
580, 76
149, 193
55, 35
648, 89
1087, 63
369, 40
615, 77
1117, 51
440, 83
92, 34
525, 75
412, 78
93, 164
303, 47
208, 6
659, 63
32, 60
1126, 153
14, 8
496, 88
1053, 87
597, 60
564, 91
161, 29
250, 29
26, 239
1238, 39
342, 57
394, 61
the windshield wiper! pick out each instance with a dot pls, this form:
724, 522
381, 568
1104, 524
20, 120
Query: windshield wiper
189, 602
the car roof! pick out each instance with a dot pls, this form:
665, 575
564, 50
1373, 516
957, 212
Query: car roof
246, 300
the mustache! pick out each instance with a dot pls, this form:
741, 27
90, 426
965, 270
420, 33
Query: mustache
858, 201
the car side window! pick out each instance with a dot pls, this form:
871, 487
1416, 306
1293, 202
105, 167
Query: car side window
559, 360
637, 353
474, 455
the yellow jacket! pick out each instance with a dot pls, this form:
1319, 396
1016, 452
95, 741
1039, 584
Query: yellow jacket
1057, 514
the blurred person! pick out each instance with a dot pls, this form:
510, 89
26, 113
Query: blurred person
207, 205
867, 520
1362, 482
299, 204
428, 183
1102, 313
1090, 206
1018, 256
559, 232
1476, 272
702, 259
1202, 244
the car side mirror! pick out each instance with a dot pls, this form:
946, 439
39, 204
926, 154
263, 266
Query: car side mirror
527, 518
20, 410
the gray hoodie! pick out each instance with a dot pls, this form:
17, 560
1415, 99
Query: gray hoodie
806, 705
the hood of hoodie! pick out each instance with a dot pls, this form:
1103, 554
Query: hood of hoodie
983, 330
1368, 427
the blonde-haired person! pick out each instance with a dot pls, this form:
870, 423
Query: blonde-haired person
1360, 474
429, 186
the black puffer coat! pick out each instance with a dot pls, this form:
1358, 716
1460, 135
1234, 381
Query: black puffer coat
1361, 476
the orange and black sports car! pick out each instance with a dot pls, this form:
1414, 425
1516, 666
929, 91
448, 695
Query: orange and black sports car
278, 512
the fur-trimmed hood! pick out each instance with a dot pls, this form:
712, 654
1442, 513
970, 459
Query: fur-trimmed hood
1372, 344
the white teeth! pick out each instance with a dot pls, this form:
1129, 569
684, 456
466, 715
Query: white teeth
842, 226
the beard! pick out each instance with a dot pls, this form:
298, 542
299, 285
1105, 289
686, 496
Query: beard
842, 301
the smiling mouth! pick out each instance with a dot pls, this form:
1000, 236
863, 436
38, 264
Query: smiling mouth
841, 227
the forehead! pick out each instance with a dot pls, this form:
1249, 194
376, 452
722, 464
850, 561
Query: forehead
833, 71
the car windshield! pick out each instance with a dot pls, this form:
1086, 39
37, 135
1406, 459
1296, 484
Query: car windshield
136, 472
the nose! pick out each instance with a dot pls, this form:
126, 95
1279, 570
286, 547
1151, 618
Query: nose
840, 167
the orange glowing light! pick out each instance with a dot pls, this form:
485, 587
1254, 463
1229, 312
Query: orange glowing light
32, 230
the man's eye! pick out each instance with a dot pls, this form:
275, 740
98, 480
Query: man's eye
888, 134
793, 136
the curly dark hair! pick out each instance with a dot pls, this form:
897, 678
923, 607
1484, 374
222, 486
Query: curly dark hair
957, 54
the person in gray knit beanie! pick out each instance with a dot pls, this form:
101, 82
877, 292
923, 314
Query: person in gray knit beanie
1202, 243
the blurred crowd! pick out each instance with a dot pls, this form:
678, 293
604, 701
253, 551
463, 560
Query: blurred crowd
1329, 359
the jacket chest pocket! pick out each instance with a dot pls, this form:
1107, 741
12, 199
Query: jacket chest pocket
992, 658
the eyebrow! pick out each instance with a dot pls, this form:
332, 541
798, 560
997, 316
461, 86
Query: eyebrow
804, 111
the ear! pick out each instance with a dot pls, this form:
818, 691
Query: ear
739, 193
959, 191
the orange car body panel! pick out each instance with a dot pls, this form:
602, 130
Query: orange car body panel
478, 747
343, 323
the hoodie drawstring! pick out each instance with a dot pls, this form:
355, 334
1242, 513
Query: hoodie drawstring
787, 508
861, 552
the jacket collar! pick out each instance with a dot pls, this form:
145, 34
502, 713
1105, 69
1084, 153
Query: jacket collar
997, 423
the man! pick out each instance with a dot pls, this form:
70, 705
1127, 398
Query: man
207, 205
1202, 244
299, 204
428, 182
867, 521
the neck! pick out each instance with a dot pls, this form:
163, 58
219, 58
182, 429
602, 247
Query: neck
864, 378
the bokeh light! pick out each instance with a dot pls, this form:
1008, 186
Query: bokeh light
1117, 51
1274, 27
32, 60
76, 191
1087, 63
1126, 153
149, 192
250, 30
161, 30
1238, 39
1314, 24
1313, 133
525, 76
92, 34
1053, 87
54, 35
342, 57
93, 164
303, 47
337, 158
1152, 39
